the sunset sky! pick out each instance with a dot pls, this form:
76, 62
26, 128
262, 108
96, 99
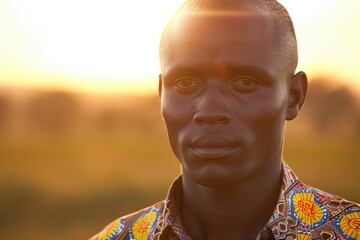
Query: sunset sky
111, 46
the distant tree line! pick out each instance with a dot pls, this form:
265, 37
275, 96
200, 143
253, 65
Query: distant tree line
334, 110
61, 114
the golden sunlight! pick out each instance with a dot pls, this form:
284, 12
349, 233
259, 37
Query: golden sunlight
86, 45
112, 46
328, 38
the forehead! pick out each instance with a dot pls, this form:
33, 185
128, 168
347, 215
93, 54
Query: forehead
238, 35
214, 21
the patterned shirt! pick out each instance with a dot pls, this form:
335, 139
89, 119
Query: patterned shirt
302, 212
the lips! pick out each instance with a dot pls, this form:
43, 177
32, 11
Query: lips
213, 146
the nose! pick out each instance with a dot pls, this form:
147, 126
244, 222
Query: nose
212, 108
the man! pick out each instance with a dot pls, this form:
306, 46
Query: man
227, 87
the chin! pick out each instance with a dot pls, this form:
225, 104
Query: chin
216, 179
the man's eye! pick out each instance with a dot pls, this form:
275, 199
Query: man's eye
186, 83
244, 83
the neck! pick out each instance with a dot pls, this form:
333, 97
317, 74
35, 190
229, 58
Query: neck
236, 212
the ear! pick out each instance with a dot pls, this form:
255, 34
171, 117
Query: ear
297, 93
160, 92
160, 85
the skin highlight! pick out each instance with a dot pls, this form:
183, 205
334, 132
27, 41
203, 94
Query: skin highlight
287, 41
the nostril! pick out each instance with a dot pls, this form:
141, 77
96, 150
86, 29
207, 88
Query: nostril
224, 120
211, 119
199, 121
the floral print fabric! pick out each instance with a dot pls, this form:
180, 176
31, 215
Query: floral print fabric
302, 213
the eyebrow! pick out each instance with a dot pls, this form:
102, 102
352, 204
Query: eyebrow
244, 68
230, 67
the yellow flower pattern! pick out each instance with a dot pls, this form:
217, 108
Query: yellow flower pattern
141, 228
111, 230
350, 225
306, 208
304, 237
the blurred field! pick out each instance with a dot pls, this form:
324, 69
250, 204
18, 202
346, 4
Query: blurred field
71, 163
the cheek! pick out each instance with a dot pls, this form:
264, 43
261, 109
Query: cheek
267, 118
175, 112
177, 116
274, 102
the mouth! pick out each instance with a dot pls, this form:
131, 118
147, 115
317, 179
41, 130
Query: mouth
213, 146
213, 152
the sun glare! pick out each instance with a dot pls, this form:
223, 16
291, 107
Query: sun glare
74, 41
328, 37
112, 45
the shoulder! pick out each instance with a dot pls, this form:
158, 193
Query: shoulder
324, 214
135, 224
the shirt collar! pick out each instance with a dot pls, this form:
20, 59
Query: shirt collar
174, 199
289, 179
173, 202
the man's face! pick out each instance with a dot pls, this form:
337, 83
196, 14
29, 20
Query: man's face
224, 97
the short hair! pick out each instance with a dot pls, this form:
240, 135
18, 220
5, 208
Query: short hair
283, 23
